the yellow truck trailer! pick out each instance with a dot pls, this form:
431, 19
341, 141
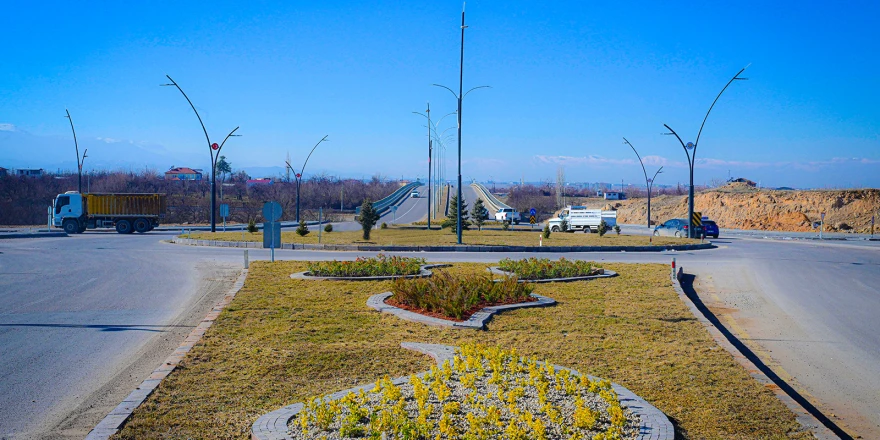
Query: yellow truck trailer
75, 212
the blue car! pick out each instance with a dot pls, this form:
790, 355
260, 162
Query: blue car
711, 228
676, 227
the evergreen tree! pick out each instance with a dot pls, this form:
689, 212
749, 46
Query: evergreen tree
368, 217
480, 214
302, 230
451, 219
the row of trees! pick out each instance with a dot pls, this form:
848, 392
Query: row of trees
23, 200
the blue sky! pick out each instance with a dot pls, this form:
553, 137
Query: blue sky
569, 79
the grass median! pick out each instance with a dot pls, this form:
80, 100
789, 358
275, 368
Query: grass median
436, 237
283, 340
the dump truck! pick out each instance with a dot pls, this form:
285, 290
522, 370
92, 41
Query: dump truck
75, 212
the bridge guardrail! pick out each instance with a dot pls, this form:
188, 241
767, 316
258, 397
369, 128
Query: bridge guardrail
384, 204
488, 197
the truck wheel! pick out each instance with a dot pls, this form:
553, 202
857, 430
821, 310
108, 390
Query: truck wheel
141, 225
123, 227
70, 226
554, 229
587, 230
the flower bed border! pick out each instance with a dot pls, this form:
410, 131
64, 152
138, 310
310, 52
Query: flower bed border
654, 425
495, 270
424, 272
476, 321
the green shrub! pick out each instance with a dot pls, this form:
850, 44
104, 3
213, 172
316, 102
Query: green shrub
252, 226
384, 226
367, 267
303, 229
543, 268
328, 228
603, 228
617, 229
546, 232
563, 226
505, 226
458, 296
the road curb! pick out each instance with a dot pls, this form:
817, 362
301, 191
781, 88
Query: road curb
453, 248
114, 421
804, 417
33, 235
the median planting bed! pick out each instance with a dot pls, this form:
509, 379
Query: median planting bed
282, 341
424, 237
543, 268
484, 393
456, 297
380, 265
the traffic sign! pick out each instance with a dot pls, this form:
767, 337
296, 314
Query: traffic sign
272, 211
689, 145
532, 219
214, 146
533, 212
224, 210
394, 208
698, 218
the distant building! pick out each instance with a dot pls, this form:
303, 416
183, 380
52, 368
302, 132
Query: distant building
29, 172
4, 172
263, 181
183, 173
613, 195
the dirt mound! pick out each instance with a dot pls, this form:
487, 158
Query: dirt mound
742, 207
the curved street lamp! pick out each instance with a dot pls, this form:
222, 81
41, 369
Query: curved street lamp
432, 134
79, 160
691, 156
648, 182
298, 175
213, 149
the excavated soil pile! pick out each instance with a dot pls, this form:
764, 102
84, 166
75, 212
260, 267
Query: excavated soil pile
744, 207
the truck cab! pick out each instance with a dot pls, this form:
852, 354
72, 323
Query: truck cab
69, 212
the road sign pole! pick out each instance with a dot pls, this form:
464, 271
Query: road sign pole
320, 221
821, 225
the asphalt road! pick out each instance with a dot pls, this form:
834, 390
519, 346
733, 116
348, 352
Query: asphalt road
77, 310
409, 209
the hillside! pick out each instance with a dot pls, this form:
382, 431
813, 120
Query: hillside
742, 207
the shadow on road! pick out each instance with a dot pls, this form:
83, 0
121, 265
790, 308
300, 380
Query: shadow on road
103, 328
687, 284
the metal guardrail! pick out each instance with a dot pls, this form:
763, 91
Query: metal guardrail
384, 204
488, 197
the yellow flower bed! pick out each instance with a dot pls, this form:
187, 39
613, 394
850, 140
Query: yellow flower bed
485, 393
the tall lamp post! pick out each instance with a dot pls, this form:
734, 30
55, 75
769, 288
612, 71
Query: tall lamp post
79, 160
214, 151
690, 150
459, 97
432, 133
299, 174
648, 182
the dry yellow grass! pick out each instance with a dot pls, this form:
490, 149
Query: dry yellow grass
282, 341
424, 237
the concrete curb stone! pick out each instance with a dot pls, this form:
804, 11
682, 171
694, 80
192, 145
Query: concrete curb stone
114, 421
807, 420
32, 235
423, 273
476, 321
495, 270
475, 248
